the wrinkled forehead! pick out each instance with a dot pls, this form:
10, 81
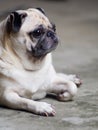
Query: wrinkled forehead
34, 19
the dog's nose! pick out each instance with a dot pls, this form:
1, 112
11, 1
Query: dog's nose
52, 35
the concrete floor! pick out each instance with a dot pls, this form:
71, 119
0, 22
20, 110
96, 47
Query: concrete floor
77, 27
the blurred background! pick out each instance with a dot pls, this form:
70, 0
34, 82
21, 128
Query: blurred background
77, 28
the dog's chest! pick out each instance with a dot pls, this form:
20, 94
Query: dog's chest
30, 80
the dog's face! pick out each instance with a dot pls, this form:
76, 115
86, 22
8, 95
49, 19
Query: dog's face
32, 31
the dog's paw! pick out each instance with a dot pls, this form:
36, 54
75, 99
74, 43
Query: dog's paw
75, 79
64, 96
44, 109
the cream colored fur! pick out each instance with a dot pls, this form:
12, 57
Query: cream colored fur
24, 79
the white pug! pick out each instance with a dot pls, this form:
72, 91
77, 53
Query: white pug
27, 38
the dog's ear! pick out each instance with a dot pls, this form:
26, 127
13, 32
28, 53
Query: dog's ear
41, 10
14, 22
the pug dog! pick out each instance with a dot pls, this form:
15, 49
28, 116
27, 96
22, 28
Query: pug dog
27, 38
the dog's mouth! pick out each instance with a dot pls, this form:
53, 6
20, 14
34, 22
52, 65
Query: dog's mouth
45, 45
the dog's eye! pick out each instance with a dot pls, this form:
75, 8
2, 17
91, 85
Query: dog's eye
37, 33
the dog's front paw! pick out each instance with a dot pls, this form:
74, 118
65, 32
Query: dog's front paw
44, 109
75, 79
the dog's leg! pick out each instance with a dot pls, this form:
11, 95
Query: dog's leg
72, 77
13, 100
64, 86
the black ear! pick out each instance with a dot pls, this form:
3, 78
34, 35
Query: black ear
41, 10
14, 22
